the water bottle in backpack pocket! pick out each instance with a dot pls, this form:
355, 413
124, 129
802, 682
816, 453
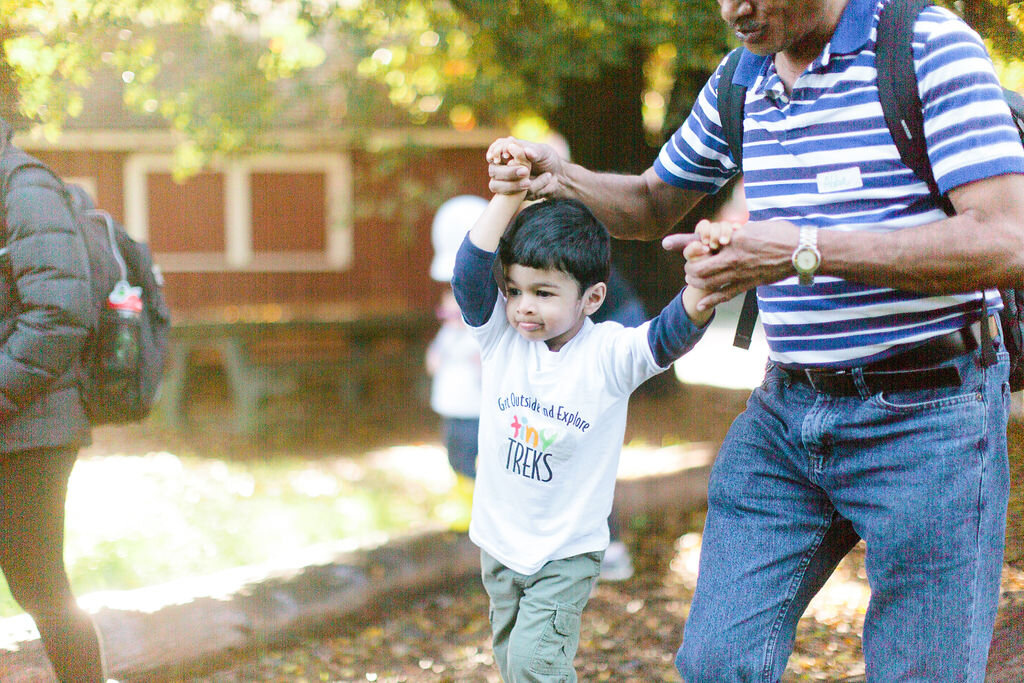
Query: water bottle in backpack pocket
117, 350
124, 359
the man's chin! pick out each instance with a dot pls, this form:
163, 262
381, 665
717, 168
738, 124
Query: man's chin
755, 42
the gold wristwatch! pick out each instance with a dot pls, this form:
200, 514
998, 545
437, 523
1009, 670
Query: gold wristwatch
807, 259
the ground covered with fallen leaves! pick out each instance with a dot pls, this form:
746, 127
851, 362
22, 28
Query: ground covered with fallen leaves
630, 630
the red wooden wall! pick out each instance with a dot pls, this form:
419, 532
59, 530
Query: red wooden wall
390, 261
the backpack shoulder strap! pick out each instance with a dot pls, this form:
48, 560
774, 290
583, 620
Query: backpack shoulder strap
903, 109
13, 159
897, 89
1016, 103
745, 324
731, 98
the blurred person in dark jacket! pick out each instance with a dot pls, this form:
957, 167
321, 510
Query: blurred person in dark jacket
45, 315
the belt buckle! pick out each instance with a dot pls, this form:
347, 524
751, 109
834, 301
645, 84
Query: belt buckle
813, 377
831, 382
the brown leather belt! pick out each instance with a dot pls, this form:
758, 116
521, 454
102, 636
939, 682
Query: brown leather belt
908, 370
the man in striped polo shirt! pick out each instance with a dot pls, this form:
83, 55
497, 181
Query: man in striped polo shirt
878, 418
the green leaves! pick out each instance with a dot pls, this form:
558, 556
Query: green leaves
224, 72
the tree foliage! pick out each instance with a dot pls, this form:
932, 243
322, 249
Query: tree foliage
206, 67
1000, 21
453, 62
614, 76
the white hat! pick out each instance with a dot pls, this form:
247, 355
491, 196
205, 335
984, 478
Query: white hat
452, 221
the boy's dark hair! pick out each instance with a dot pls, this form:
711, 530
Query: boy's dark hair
559, 234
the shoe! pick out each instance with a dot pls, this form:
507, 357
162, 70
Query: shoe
617, 564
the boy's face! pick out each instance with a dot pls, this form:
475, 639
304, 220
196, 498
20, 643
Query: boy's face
545, 305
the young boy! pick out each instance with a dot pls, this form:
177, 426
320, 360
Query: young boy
555, 392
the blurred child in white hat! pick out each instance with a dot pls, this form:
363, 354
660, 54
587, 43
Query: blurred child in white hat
453, 357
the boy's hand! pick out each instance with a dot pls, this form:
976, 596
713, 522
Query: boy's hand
695, 251
716, 234
508, 152
541, 177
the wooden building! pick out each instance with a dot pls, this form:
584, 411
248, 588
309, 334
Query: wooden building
282, 228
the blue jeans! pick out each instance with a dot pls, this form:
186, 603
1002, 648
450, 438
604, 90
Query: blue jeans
922, 476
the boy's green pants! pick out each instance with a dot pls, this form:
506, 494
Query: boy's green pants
535, 620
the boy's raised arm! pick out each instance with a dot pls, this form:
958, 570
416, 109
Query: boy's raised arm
491, 224
473, 283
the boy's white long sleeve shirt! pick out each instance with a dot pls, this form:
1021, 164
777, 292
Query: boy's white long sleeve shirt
552, 423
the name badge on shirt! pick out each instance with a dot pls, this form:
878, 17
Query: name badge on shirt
837, 181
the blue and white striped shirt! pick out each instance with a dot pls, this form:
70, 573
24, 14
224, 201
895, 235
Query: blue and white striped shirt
823, 156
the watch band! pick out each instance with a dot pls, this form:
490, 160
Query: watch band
808, 238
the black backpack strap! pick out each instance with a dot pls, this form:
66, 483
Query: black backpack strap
731, 98
897, 89
904, 111
748, 316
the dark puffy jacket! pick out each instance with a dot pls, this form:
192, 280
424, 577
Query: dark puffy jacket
45, 313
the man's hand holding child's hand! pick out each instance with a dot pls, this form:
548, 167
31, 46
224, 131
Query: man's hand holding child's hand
507, 152
711, 236
487, 230
716, 234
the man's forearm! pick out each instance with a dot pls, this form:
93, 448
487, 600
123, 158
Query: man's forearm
958, 254
982, 246
641, 207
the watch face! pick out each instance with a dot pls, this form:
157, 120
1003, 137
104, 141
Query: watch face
805, 260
